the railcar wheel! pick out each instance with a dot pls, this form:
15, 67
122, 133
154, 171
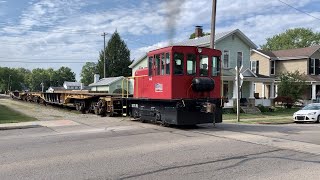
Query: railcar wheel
78, 107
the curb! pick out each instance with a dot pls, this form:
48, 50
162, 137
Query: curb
19, 127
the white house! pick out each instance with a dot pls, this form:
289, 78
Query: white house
72, 85
111, 84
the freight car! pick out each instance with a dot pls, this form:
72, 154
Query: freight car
180, 86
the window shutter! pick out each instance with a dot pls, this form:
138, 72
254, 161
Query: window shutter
317, 69
257, 67
309, 66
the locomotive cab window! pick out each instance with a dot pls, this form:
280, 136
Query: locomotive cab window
178, 63
191, 64
204, 65
150, 65
163, 64
167, 63
215, 66
157, 59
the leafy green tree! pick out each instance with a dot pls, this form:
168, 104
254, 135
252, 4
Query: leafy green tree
12, 79
117, 58
37, 77
87, 73
193, 35
63, 74
292, 38
292, 84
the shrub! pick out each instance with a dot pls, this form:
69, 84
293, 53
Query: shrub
263, 108
285, 101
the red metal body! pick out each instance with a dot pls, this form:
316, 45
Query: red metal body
155, 82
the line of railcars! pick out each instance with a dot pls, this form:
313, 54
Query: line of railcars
180, 86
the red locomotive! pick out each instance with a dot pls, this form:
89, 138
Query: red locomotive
181, 86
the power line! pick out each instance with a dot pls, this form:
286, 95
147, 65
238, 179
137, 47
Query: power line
299, 10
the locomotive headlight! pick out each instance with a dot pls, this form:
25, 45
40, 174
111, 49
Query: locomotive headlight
199, 50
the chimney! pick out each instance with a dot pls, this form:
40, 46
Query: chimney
96, 78
198, 32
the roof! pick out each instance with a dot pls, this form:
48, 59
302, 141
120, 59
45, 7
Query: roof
57, 88
138, 60
205, 41
298, 53
72, 83
106, 81
312, 78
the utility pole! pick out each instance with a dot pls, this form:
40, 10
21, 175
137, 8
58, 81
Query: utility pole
42, 86
104, 54
213, 23
238, 90
9, 83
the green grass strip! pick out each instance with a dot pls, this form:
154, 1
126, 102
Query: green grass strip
8, 115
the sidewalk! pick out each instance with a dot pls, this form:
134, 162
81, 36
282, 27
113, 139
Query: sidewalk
34, 124
264, 120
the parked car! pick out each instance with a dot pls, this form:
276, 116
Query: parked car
309, 113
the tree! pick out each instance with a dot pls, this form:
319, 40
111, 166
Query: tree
64, 74
49, 77
37, 77
292, 85
292, 38
13, 79
193, 35
87, 73
117, 58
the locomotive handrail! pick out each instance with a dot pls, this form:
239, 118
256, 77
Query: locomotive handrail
127, 78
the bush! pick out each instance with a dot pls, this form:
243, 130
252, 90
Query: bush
285, 101
263, 108
228, 111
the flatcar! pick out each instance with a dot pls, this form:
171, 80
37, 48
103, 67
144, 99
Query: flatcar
181, 86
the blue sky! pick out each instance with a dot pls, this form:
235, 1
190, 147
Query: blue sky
51, 31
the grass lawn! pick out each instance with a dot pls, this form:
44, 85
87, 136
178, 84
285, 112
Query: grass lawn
8, 115
280, 115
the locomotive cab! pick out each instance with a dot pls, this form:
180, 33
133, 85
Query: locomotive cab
180, 86
180, 72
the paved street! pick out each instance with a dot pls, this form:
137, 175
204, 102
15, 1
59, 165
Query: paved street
91, 147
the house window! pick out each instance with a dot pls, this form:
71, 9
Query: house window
225, 58
167, 63
203, 65
239, 59
215, 66
272, 67
312, 66
178, 63
191, 64
255, 67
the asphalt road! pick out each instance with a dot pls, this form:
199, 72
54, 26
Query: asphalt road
78, 146
133, 150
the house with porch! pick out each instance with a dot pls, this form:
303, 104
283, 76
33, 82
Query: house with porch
273, 63
235, 47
